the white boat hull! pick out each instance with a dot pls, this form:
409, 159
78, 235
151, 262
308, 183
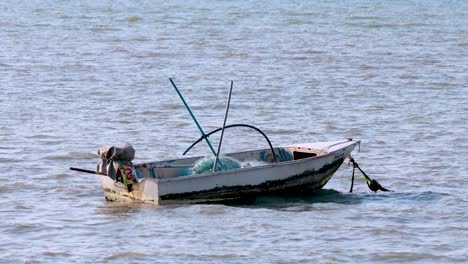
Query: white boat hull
287, 177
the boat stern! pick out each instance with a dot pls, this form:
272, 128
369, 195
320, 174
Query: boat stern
145, 191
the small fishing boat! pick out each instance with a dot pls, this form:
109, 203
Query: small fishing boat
298, 169
293, 169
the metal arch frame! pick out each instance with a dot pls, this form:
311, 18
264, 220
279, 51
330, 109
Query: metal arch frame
229, 126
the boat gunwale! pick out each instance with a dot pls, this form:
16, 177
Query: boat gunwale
269, 165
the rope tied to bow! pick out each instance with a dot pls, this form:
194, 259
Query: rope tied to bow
373, 184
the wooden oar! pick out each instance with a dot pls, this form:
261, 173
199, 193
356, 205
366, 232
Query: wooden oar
161, 166
86, 171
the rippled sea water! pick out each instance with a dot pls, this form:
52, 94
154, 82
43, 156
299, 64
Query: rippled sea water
76, 75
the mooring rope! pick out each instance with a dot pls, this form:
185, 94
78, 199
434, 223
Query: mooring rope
373, 185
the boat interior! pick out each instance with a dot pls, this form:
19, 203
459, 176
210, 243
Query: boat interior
184, 167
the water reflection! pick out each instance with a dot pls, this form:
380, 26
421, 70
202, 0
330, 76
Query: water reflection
121, 209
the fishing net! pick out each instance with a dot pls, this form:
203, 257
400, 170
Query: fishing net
206, 164
253, 163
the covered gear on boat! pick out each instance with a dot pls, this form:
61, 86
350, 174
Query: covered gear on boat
206, 164
116, 162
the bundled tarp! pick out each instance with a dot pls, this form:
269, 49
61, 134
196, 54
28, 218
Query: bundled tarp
116, 162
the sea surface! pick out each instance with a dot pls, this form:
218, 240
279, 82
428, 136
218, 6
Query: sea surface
77, 75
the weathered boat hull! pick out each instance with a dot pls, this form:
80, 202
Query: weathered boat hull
289, 177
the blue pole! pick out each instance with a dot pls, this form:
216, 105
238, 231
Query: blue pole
193, 117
